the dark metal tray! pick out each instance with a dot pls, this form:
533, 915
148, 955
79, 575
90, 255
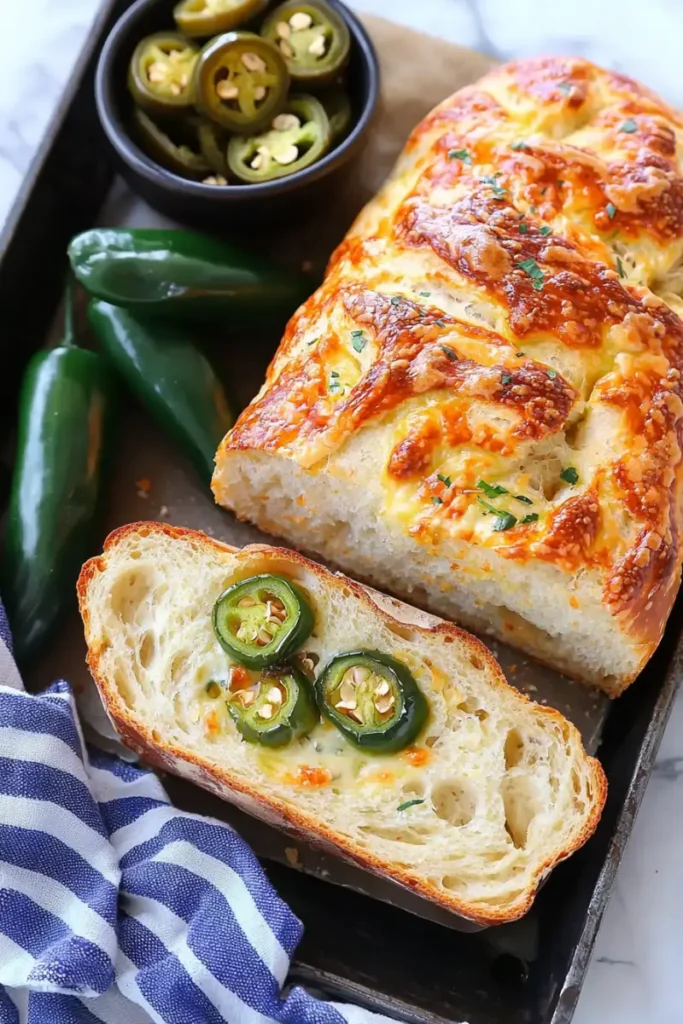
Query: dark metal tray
360, 943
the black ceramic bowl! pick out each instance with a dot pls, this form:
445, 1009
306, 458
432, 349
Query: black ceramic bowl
210, 205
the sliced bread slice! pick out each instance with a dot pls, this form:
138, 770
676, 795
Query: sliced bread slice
492, 793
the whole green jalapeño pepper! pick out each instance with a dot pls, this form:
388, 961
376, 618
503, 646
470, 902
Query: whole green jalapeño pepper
181, 274
160, 73
295, 139
63, 427
373, 700
262, 620
211, 17
240, 81
171, 377
312, 37
279, 708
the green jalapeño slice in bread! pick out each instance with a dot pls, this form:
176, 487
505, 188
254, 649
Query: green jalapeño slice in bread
351, 720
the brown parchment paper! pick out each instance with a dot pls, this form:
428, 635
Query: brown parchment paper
417, 72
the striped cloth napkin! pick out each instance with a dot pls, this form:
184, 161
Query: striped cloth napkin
117, 907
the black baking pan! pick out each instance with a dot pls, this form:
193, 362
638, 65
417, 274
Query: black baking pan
357, 947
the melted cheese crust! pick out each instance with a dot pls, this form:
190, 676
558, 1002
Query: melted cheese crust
507, 308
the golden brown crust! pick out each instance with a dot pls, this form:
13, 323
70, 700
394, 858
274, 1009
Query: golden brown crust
550, 197
172, 757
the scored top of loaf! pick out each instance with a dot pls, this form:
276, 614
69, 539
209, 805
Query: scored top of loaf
508, 307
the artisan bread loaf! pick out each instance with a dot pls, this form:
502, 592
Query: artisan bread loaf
493, 792
480, 408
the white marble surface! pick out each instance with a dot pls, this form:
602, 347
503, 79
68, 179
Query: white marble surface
635, 976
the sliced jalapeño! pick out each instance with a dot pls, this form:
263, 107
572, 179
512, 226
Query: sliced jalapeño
160, 73
262, 620
373, 700
312, 37
173, 144
295, 139
240, 81
274, 709
211, 17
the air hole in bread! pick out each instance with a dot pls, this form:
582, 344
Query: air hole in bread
431, 740
520, 808
128, 593
574, 435
122, 685
477, 662
514, 749
403, 631
471, 706
147, 650
454, 801
135, 554
178, 667
449, 639
452, 882
395, 835
413, 788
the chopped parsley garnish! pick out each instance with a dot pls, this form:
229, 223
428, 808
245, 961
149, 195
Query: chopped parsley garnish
545, 230
523, 229
520, 146
358, 340
492, 180
620, 268
410, 803
569, 475
335, 385
313, 341
491, 490
532, 517
611, 210
505, 379
565, 87
552, 374
532, 209
425, 295
460, 154
615, 234
439, 323
520, 354
505, 521
629, 126
449, 352
395, 299
544, 190
437, 501
445, 480
532, 268
523, 498
560, 182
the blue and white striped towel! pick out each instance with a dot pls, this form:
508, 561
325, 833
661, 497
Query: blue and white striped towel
117, 907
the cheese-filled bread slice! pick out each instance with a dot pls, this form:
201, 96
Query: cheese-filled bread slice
480, 409
349, 719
